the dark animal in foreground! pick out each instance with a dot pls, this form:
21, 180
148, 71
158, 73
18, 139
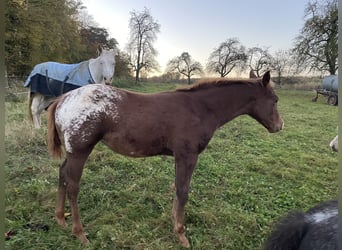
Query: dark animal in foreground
178, 123
314, 230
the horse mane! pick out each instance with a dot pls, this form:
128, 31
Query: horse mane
207, 83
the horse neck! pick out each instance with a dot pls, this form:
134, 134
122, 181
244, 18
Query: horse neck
227, 102
95, 73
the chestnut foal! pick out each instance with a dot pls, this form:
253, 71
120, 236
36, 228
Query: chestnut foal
179, 123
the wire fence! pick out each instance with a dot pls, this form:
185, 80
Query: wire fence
15, 85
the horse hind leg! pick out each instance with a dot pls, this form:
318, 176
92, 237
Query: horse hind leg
33, 104
39, 104
61, 195
36, 120
69, 185
36, 110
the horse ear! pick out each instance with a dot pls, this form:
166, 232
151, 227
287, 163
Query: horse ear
116, 51
99, 50
266, 78
251, 74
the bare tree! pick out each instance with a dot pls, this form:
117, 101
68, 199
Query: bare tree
85, 19
259, 60
316, 47
280, 62
184, 65
229, 55
143, 33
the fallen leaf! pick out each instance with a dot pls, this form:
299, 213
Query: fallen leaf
9, 234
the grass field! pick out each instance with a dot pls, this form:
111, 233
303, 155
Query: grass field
244, 181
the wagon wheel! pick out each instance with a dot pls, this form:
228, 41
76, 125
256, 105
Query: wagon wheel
332, 100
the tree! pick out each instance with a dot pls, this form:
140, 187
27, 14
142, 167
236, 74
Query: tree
184, 65
38, 31
48, 30
122, 69
143, 33
94, 36
229, 55
259, 60
280, 62
16, 53
316, 47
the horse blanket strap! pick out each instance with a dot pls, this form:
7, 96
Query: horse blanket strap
63, 83
47, 80
53, 79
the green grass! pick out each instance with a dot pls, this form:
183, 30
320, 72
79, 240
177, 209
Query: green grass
244, 181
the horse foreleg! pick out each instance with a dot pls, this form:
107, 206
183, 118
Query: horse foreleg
178, 223
61, 195
184, 169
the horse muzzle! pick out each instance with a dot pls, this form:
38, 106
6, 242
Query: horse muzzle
107, 81
277, 127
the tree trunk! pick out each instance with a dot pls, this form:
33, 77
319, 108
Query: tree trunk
279, 77
137, 76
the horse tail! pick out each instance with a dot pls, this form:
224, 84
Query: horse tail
29, 105
54, 142
288, 233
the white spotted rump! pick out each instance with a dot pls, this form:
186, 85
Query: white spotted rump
80, 105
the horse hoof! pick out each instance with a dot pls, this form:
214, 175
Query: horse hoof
61, 222
83, 239
173, 187
183, 241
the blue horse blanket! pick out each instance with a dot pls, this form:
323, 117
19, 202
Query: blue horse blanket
54, 79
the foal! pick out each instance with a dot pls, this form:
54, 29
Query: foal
178, 123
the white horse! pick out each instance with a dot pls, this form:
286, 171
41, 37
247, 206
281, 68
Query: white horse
49, 80
334, 144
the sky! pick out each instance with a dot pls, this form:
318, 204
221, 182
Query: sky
198, 27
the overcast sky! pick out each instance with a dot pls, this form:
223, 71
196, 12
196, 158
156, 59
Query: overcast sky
198, 27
